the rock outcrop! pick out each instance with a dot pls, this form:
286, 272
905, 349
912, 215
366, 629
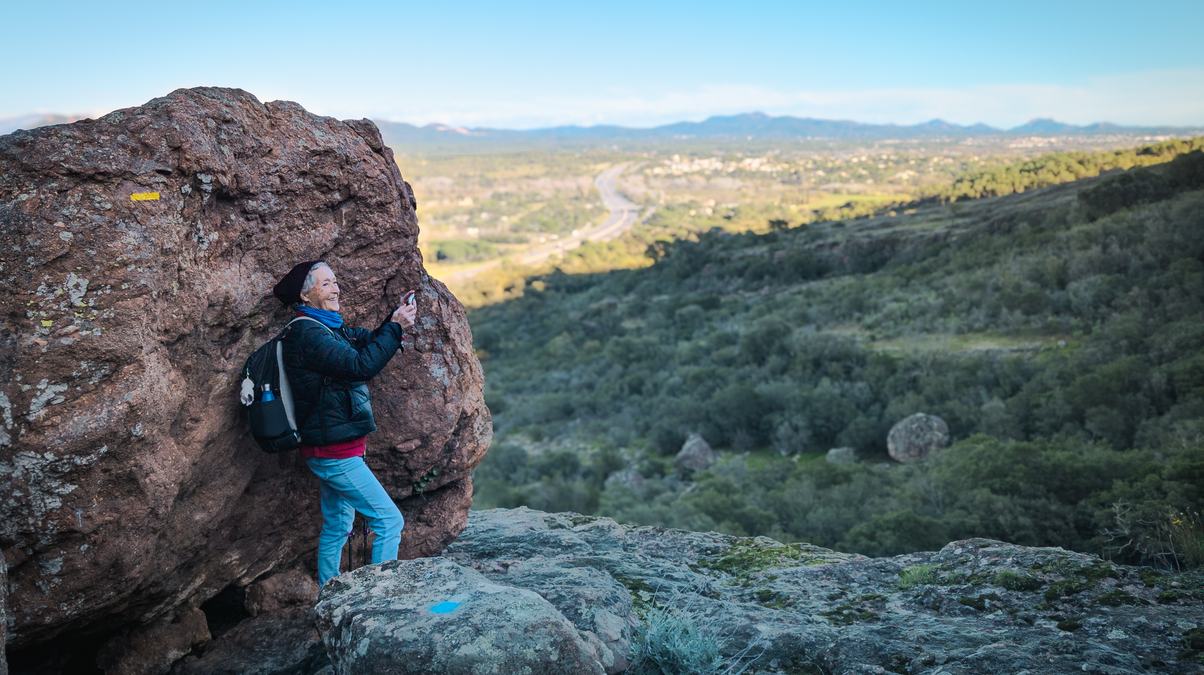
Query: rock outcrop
138, 252
695, 455
3, 614
975, 606
914, 436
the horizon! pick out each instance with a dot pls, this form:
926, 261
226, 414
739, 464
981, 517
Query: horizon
751, 113
525, 67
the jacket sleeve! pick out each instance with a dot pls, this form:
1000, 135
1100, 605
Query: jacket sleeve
325, 353
361, 336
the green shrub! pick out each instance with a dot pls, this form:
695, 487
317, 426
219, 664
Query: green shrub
463, 250
1014, 581
671, 642
917, 575
1124, 191
673, 637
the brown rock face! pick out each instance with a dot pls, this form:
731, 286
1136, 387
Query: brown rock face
287, 642
154, 647
137, 256
281, 592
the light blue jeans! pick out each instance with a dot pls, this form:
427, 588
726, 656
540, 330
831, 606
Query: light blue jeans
348, 485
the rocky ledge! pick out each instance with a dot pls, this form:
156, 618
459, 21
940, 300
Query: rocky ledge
526, 591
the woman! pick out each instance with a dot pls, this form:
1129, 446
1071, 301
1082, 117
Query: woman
328, 366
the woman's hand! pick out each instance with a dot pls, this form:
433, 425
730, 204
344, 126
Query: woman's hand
404, 314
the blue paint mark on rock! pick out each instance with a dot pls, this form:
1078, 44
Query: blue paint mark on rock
444, 607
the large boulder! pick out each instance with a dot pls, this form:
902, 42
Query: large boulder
152, 648
914, 436
695, 455
435, 616
138, 252
281, 592
626, 479
270, 644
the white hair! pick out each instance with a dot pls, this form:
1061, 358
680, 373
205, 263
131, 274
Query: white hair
309, 276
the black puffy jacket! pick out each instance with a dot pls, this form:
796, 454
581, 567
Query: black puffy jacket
328, 372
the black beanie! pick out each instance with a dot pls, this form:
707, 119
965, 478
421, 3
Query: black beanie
288, 289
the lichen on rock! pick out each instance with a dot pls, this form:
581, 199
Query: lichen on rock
976, 605
915, 436
432, 615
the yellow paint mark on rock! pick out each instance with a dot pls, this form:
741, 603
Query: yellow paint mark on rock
144, 197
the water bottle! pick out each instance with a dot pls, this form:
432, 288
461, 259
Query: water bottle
267, 393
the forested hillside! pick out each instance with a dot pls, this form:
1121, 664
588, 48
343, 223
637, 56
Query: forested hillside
1061, 167
1059, 333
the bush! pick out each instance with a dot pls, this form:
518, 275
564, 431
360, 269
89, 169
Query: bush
1124, 191
672, 642
667, 439
736, 408
463, 250
890, 533
1158, 535
917, 575
673, 638
764, 338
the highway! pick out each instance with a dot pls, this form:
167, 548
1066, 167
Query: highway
623, 215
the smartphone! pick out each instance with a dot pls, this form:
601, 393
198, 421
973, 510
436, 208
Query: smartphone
409, 298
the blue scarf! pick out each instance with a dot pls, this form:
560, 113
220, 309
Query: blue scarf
328, 317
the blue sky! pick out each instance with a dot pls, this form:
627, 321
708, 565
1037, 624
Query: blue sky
525, 65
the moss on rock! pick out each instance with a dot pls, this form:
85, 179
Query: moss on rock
772, 599
979, 602
917, 575
642, 595
1150, 577
1064, 588
848, 613
747, 556
1014, 581
1117, 598
1069, 625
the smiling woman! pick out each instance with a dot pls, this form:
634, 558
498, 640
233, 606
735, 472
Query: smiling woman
329, 365
321, 289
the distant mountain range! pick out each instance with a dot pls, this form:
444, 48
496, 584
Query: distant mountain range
744, 126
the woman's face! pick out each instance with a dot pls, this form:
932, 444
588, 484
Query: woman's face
325, 293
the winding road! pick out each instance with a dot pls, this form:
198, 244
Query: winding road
623, 215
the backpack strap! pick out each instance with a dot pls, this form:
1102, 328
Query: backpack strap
307, 318
280, 365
